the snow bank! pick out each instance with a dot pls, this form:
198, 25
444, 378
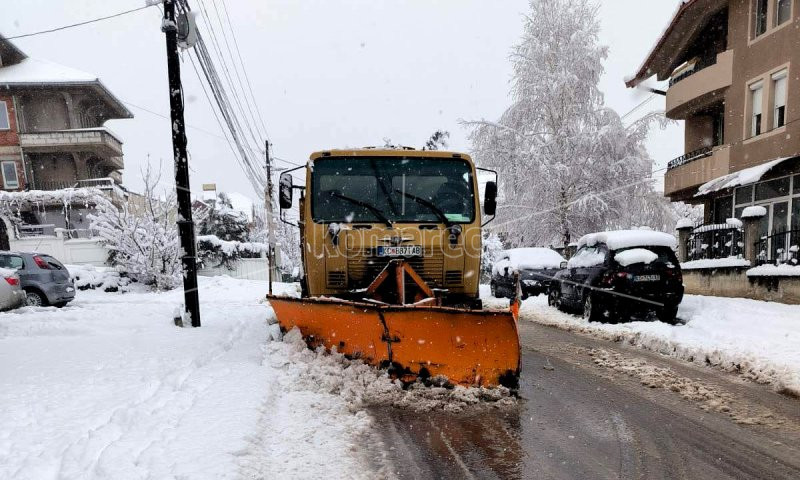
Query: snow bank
729, 262
527, 259
756, 339
754, 212
620, 239
784, 270
635, 255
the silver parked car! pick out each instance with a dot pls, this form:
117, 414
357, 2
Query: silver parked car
11, 293
45, 280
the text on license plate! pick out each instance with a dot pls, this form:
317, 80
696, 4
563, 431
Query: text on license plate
404, 251
647, 278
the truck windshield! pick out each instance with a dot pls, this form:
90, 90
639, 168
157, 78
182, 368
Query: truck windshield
397, 189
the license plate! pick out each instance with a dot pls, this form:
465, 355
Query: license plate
404, 251
647, 278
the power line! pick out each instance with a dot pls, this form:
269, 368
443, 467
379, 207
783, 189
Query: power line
87, 22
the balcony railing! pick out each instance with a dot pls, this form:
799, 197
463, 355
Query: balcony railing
714, 241
698, 66
690, 157
779, 248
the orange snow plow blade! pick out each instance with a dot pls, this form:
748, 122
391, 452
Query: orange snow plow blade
469, 347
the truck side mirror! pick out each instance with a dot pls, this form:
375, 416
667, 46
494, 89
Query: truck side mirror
490, 199
285, 191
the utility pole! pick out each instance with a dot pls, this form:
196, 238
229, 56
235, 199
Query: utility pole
185, 224
273, 269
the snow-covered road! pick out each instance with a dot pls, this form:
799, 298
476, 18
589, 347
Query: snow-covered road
757, 339
109, 388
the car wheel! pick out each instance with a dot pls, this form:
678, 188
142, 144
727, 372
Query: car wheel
36, 299
668, 314
591, 309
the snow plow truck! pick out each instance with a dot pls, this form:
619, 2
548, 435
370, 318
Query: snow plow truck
391, 255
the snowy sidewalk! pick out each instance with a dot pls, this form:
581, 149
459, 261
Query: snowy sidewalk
109, 388
760, 340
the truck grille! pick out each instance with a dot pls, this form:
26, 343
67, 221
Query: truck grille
337, 279
364, 265
453, 278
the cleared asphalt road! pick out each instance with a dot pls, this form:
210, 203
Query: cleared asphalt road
591, 409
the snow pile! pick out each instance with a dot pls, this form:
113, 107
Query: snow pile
586, 259
684, 223
620, 239
635, 255
742, 177
7, 272
756, 339
729, 262
89, 277
754, 212
527, 259
784, 270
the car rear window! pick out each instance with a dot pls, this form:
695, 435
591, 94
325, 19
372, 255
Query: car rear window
665, 255
11, 261
52, 262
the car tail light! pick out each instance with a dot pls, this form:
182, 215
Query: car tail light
41, 263
607, 279
13, 281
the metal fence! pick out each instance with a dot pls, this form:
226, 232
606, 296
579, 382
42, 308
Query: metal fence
779, 248
713, 241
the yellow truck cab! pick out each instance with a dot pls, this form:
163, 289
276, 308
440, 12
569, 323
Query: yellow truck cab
360, 209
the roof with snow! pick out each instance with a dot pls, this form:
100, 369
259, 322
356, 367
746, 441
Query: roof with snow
742, 177
620, 239
688, 22
20, 71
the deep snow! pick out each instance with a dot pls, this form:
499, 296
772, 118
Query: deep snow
109, 388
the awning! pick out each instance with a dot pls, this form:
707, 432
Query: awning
742, 177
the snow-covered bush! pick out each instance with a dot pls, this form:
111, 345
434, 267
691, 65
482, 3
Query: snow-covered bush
568, 164
214, 252
89, 277
142, 237
224, 222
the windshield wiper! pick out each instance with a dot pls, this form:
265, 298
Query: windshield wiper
431, 206
375, 210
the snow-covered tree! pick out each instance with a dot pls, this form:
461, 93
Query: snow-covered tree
437, 141
142, 236
287, 238
492, 249
224, 222
568, 164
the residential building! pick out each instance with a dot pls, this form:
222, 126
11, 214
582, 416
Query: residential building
733, 68
52, 137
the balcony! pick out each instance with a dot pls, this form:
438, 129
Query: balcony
689, 171
99, 141
697, 87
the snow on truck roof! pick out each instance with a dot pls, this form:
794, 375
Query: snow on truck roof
620, 239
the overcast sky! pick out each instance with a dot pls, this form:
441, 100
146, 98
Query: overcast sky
328, 73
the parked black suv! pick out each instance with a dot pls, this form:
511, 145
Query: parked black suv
615, 275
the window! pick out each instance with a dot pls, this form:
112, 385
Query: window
744, 195
756, 98
10, 175
772, 189
779, 81
760, 15
723, 207
797, 184
719, 128
796, 214
4, 123
11, 261
783, 12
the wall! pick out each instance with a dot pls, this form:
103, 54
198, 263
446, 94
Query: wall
245, 268
734, 283
753, 59
74, 252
